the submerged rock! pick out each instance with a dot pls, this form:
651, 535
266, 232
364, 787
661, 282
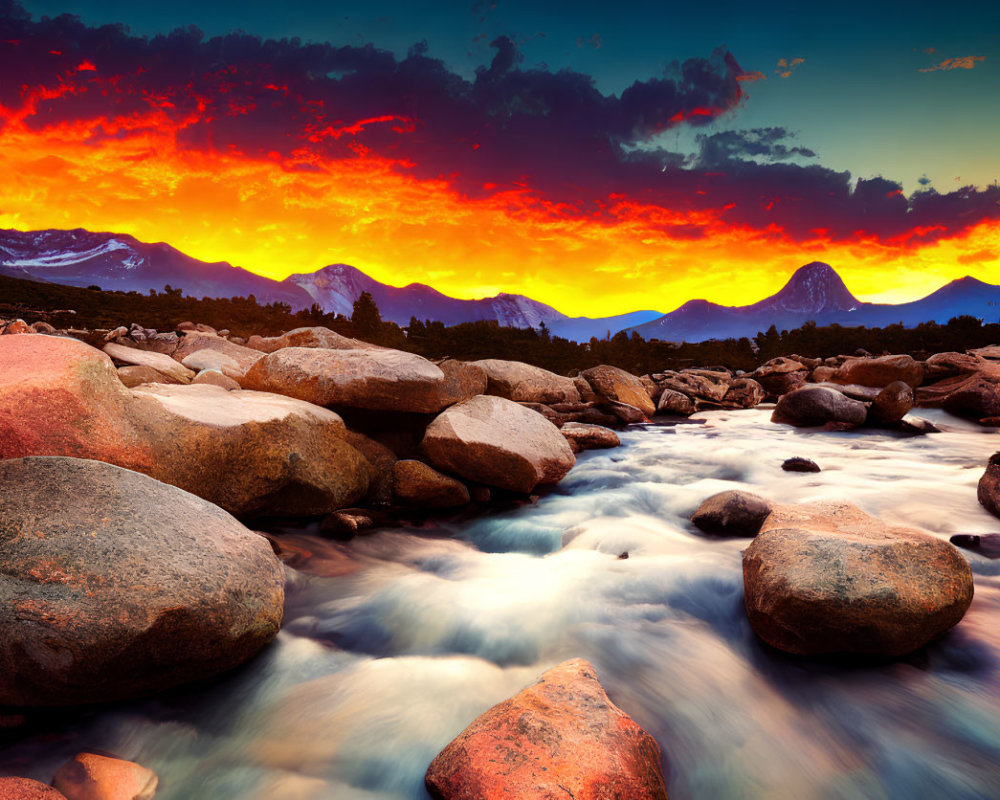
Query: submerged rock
817, 405
732, 513
117, 586
988, 490
800, 464
561, 737
497, 442
89, 776
827, 578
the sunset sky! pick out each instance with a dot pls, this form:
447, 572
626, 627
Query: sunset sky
598, 157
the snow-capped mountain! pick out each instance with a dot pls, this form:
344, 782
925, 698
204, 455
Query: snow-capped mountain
120, 262
336, 288
816, 292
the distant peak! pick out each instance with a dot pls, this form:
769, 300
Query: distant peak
813, 288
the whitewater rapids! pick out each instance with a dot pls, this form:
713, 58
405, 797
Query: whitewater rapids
394, 642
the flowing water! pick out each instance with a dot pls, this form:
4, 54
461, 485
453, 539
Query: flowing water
394, 642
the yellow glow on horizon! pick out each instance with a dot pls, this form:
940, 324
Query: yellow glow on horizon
279, 217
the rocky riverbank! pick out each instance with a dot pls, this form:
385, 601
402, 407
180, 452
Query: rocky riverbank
126, 452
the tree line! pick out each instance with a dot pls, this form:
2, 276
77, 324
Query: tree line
92, 308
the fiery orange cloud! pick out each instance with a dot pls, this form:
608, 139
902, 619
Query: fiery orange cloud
963, 62
278, 216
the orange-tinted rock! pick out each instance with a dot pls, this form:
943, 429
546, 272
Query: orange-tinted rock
317, 336
559, 738
611, 383
92, 777
416, 484
880, 371
192, 342
843, 582
214, 377
589, 437
133, 376
117, 586
26, 789
59, 396
497, 442
378, 380
976, 397
524, 383
699, 384
675, 404
16, 326
745, 393
145, 358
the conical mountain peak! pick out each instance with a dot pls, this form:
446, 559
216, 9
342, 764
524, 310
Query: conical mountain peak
812, 289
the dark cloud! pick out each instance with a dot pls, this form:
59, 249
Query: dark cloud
594, 41
923, 180
553, 133
766, 144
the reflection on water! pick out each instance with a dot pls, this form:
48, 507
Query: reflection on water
394, 642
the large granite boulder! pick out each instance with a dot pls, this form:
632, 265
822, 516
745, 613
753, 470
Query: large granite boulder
250, 452
675, 404
245, 451
745, 393
27, 789
561, 737
308, 337
524, 383
495, 441
988, 491
698, 384
975, 397
164, 364
582, 436
891, 404
379, 380
827, 578
117, 586
817, 405
611, 383
880, 371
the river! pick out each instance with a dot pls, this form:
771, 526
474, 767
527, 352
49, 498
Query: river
395, 641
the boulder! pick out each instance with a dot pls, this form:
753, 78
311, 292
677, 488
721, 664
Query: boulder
988, 491
213, 377
136, 376
589, 437
611, 383
799, 464
675, 404
778, 366
781, 383
986, 544
732, 513
880, 371
193, 341
697, 384
891, 404
495, 441
42, 327
524, 383
561, 737
207, 358
382, 460
163, 364
629, 415
89, 776
462, 380
587, 394
250, 452
745, 393
246, 451
852, 585
947, 365
126, 587
976, 397
15, 326
26, 789
817, 405
822, 374
308, 337
416, 484
380, 380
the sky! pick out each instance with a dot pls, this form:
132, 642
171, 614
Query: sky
598, 157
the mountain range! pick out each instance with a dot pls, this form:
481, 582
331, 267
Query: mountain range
816, 292
121, 262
